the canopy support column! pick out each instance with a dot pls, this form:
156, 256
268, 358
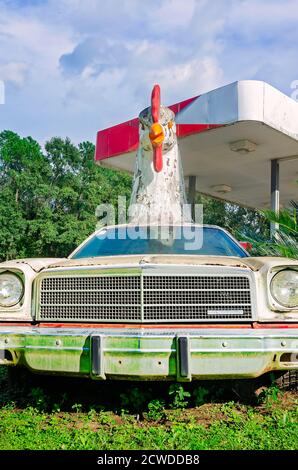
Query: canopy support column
274, 194
192, 181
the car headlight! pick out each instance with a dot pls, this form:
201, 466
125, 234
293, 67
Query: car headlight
284, 288
11, 289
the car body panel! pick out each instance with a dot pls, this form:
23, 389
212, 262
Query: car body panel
151, 350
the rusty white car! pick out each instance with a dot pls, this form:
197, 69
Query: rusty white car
127, 306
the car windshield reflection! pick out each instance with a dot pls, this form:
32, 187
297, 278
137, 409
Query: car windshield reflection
177, 240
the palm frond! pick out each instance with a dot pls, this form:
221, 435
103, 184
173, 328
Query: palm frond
285, 218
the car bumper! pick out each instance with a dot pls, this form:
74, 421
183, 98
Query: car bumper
150, 354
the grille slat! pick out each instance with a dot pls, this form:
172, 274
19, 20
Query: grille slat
164, 297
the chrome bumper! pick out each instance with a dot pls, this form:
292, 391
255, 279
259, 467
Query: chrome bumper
150, 354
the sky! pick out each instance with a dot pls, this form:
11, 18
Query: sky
72, 67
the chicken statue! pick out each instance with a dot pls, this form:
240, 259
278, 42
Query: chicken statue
158, 194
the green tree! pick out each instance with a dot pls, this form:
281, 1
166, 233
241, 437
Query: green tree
23, 172
48, 199
242, 222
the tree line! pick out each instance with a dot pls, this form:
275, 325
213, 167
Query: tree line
49, 196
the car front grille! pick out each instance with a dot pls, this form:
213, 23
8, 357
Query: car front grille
144, 298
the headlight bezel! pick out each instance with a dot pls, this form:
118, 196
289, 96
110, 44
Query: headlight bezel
277, 303
21, 297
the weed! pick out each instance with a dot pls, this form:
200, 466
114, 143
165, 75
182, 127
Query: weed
10, 405
156, 410
179, 396
106, 418
77, 407
270, 396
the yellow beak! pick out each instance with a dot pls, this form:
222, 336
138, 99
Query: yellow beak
156, 134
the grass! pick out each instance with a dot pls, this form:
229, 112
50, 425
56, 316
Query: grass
74, 414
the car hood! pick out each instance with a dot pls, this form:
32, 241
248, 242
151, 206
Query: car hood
251, 263
37, 264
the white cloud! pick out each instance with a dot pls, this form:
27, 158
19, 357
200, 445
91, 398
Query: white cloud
172, 13
29, 39
81, 66
13, 72
188, 78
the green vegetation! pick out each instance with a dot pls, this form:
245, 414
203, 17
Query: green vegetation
49, 198
285, 241
286, 237
180, 396
55, 413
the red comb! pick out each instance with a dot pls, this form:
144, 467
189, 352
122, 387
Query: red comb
155, 111
155, 103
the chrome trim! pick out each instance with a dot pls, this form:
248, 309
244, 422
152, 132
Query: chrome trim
155, 272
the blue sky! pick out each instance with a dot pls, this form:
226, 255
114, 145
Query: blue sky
71, 67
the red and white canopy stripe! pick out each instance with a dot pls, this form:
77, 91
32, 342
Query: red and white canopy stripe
124, 138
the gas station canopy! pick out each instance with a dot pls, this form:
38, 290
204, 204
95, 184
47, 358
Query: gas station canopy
238, 143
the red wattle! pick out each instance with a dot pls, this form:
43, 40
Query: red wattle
157, 158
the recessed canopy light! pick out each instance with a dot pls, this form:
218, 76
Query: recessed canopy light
221, 188
243, 146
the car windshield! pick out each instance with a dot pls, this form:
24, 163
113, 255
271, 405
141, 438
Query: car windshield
177, 240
